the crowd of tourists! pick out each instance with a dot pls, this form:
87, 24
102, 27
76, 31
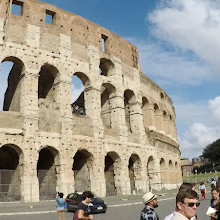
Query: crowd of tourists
187, 201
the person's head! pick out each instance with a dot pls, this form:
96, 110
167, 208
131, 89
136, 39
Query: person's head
187, 202
60, 195
201, 183
186, 186
218, 185
150, 199
215, 194
87, 196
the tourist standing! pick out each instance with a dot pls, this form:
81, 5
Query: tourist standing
60, 206
150, 201
186, 205
202, 189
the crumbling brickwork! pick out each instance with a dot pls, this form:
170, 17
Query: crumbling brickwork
124, 142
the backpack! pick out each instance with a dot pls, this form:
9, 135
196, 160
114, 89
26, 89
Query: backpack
75, 216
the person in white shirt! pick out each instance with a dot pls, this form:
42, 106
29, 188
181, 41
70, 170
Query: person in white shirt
186, 205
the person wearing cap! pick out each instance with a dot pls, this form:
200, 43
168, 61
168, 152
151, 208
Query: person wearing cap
150, 201
186, 205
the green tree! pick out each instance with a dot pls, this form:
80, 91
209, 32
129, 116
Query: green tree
212, 152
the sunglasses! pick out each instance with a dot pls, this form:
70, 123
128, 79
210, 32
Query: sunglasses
191, 204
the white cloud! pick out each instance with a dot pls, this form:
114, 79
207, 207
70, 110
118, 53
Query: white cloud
214, 106
75, 92
190, 25
171, 67
196, 139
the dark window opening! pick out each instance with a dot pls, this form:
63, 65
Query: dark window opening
104, 39
16, 7
49, 16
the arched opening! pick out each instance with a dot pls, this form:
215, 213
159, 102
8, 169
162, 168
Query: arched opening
150, 171
134, 169
82, 168
158, 117
106, 67
112, 169
162, 164
107, 92
163, 171
176, 165
162, 95
10, 182
129, 101
48, 90
146, 112
47, 173
165, 122
170, 164
79, 82
11, 69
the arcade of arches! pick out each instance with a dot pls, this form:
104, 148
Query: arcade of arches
113, 133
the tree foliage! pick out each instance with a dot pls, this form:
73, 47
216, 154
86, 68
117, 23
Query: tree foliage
212, 152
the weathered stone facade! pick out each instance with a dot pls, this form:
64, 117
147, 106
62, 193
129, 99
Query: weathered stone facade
126, 142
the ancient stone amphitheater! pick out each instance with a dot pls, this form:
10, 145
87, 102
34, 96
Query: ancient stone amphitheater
122, 141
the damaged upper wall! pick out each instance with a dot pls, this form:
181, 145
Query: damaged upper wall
81, 31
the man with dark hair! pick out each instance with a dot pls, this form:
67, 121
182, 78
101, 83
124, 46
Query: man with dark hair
184, 186
150, 201
82, 212
186, 205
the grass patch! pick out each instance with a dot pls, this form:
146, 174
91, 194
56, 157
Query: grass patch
197, 178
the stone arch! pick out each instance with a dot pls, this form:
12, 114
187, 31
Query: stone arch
10, 172
150, 171
47, 171
82, 168
162, 163
48, 102
162, 95
158, 117
165, 122
129, 102
12, 96
112, 172
176, 165
106, 67
107, 93
134, 169
170, 164
79, 104
147, 112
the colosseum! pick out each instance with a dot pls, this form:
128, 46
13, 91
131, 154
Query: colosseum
117, 138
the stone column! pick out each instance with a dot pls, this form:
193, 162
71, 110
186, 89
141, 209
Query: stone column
149, 118
93, 109
118, 115
159, 120
97, 175
29, 180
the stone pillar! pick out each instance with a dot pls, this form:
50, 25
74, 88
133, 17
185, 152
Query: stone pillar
159, 120
63, 95
136, 118
118, 115
166, 124
29, 180
97, 175
149, 118
93, 109
64, 164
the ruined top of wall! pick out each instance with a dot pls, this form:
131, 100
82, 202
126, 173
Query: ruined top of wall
81, 30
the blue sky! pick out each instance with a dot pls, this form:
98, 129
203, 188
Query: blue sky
179, 49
